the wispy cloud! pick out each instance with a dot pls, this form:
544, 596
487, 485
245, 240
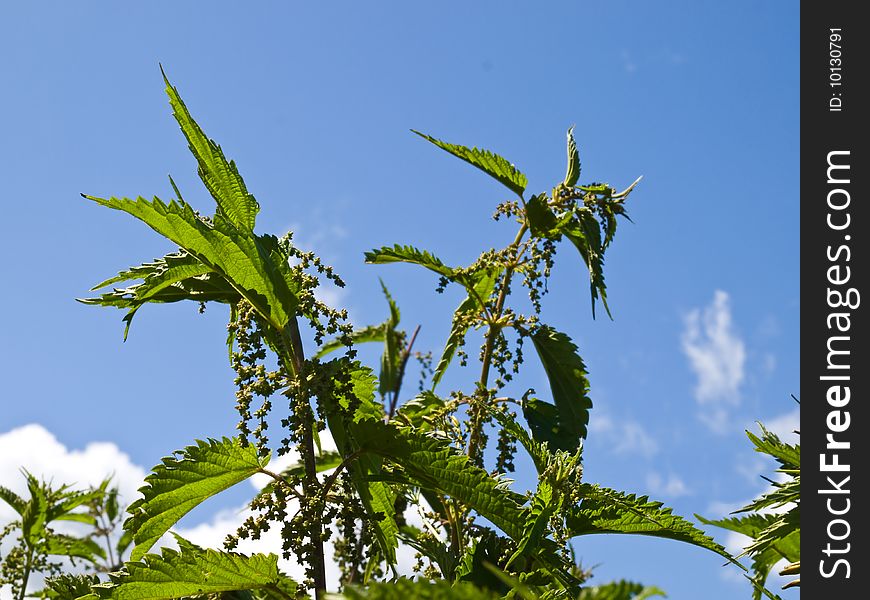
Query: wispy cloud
623, 436
786, 426
667, 487
717, 355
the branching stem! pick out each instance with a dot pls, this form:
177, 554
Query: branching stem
492, 334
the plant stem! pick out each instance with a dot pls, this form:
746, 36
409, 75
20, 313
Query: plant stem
492, 334
309, 484
401, 374
105, 527
28, 564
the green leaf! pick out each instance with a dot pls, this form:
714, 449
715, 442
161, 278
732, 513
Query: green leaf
603, 510
34, 517
66, 545
585, 233
78, 518
253, 265
543, 505
537, 448
434, 464
69, 501
404, 589
417, 411
761, 527
172, 278
567, 376
193, 571
463, 318
573, 172
12, 499
748, 525
409, 254
182, 482
561, 468
431, 547
342, 415
492, 164
220, 177
541, 219
70, 587
788, 455
620, 590
372, 333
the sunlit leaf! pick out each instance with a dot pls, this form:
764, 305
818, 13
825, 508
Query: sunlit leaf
183, 481
492, 164
603, 510
247, 262
193, 571
408, 254
405, 589
573, 171
221, 177
619, 590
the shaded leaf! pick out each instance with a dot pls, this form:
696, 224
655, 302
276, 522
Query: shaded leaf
541, 219
69, 587
67, 545
417, 410
342, 415
463, 318
567, 376
585, 233
372, 333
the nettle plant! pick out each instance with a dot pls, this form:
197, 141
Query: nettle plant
440, 455
34, 542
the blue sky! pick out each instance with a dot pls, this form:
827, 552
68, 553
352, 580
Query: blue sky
315, 104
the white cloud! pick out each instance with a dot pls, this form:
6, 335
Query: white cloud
623, 436
36, 449
670, 487
785, 426
716, 355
